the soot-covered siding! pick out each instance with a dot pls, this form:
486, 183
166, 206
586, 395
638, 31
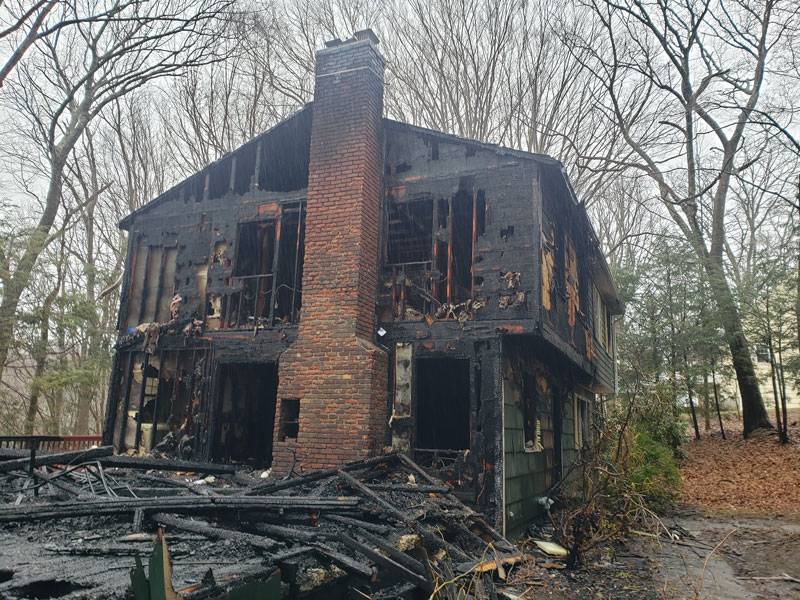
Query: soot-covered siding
188, 239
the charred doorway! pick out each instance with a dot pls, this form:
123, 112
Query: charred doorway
245, 413
442, 404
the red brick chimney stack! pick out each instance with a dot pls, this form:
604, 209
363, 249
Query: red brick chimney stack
334, 369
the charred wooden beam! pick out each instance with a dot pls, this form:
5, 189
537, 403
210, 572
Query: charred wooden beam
360, 487
289, 533
135, 462
358, 523
396, 555
344, 562
176, 483
402, 487
215, 533
427, 536
387, 563
170, 504
267, 488
499, 541
60, 458
56, 482
405, 459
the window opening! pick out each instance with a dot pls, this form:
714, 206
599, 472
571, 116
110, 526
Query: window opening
268, 272
245, 415
442, 404
289, 426
600, 319
430, 252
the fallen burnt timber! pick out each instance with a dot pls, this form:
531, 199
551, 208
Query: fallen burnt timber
376, 528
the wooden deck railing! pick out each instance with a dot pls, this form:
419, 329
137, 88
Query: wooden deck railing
50, 443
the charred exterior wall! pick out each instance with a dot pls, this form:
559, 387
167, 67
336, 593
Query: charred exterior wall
195, 229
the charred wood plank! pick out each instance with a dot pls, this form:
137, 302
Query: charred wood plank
501, 542
94, 550
146, 492
216, 533
404, 487
169, 504
60, 458
289, 533
344, 562
198, 490
387, 563
12, 453
427, 536
266, 488
396, 555
136, 462
360, 487
404, 458
54, 480
358, 523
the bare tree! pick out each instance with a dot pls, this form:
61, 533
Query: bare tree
548, 96
682, 83
447, 61
73, 75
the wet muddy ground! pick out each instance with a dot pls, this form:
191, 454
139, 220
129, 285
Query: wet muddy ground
714, 557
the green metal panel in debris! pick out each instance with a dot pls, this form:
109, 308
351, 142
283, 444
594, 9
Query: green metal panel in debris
258, 590
159, 584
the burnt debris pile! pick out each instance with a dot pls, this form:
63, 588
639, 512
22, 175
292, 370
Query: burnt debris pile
377, 528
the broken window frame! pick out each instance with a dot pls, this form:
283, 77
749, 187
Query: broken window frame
134, 397
443, 276
531, 407
264, 289
601, 325
581, 416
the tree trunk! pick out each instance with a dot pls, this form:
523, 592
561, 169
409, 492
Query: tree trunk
691, 401
778, 420
41, 361
716, 399
19, 281
706, 404
754, 414
782, 382
694, 413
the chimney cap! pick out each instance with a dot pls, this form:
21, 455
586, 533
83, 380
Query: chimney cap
367, 34
333, 43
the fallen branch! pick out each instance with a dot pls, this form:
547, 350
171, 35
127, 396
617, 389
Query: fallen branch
781, 577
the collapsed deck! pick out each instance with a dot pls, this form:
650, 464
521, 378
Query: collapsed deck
382, 526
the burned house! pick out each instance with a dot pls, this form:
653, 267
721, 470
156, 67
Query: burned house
345, 283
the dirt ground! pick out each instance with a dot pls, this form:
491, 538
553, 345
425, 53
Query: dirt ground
736, 532
731, 557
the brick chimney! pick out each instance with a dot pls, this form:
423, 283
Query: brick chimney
334, 371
